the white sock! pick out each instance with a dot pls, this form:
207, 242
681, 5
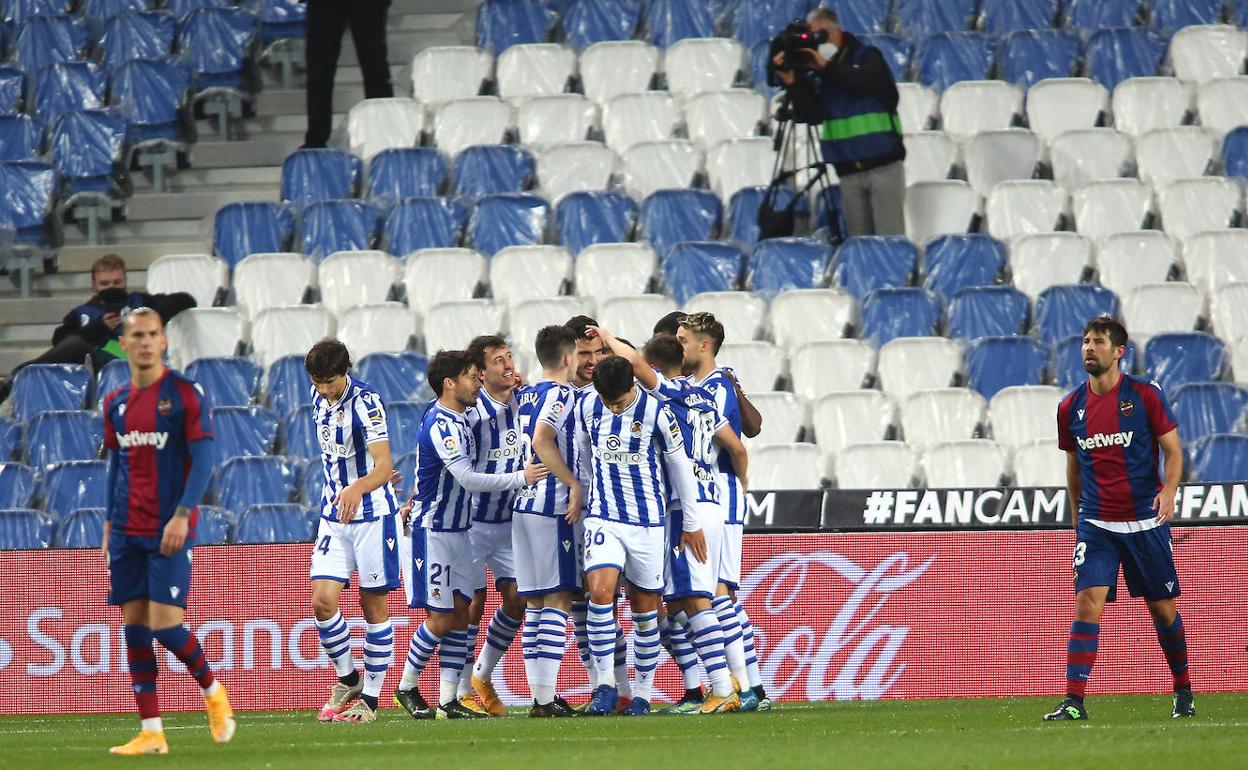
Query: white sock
552, 637
602, 628
747, 643
498, 637
622, 682
335, 638
153, 725
529, 648
465, 676
734, 648
418, 653
451, 654
708, 640
212, 688
378, 649
646, 649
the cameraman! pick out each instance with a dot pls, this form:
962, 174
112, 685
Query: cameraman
861, 133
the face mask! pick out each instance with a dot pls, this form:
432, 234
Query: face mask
828, 50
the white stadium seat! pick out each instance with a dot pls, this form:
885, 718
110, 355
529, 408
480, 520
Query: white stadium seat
526, 319
917, 106
374, 125
349, 278
1088, 155
784, 416
1127, 260
612, 68
651, 166
1156, 308
757, 364
810, 315
1058, 105
1048, 259
268, 280
699, 64
442, 73
449, 325
468, 121
630, 119
1142, 104
818, 368
288, 330
785, 466
1222, 104
1229, 312
930, 155
910, 364
633, 317
942, 414
534, 69
1239, 360
1190, 206
966, 463
431, 276
993, 157
200, 275
1111, 206
606, 270
1023, 413
556, 119
1023, 206
205, 331
971, 107
1203, 52
937, 208
1166, 154
1040, 464
876, 465
1215, 258
714, 116
575, 167
520, 273
737, 163
845, 417
378, 327
741, 312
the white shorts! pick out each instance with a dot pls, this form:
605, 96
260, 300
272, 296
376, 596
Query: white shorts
438, 567
730, 555
491, 546
634, 550
686, 576
548, 554
370, 548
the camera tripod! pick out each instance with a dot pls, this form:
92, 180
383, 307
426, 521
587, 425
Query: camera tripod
799, 167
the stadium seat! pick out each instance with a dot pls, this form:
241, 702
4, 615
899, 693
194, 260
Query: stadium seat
443, 73
652, 166
876, 465
507, 219
937, 208
930, 156
1200, 53
778, 265
330, 226
262, 281
586, 218
288, 330
1001, 16
971, 107
136, 34
504, 23
1058, 105
57, 436
18, 485
1021, 415
741, 312
19, 138
312, 486
244, 481
396, 376
434, 275
277, 523
633, 317
669, 216
533, 69
784, 418
1096, 14
1028, 56
1239, 361
200, 275
12, 89
587, 22
632, 118
994, 363
743, 207
919, 18
736, 164
1155, 308
1111, 206
917, 106
812, 315
865, 263
319, 174
1165, 154
910, 364
115, 374
844, 417
975, 463
1202, 409
217, 44
251, 227
469, 121
230, 380
350, 278
75, 484
1023, 206
449, 324
891, 313
668, 21
542, 121
1229, 311
1190, 206
697, 65
566, 169
66, 86
1116, 54
242, 431
1220, 104
29, 203
1142, 104
397, 173
757, 365
955, 262
1127, 260
87, 147
214, 527
375, 327
609, 69
526, 319
950, 57
1178, 358
20, 528
867, 17
785, 466
1068, 369
52, 39
11, 435
1039, 464
693, 267
49, 387
762, 20
1089, 155
943, 414
154, 98
519, 273
1220, 457
287, 385
422, 223
988, 311
1216, 258
819, 368
614, 269
1063, 310
403, 419
82, 528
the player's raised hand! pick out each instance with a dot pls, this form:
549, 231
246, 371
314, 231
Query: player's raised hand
696, 543
575, 503
348, 502
1163, 503
535, 472
174, 536
396, 481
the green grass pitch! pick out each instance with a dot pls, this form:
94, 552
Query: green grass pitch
1125, 732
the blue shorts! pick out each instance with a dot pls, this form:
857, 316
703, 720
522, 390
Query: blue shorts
1146, 558
138, 570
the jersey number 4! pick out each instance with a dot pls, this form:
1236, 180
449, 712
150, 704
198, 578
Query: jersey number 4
323, 546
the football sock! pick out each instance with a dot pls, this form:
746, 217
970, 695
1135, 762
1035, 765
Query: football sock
418, 653
336, 640
708, 640
601, 627
683, 653
378, 649
451, 655
498, 637
142, 661
178, 640
1174, 645
747, 644
528, 646
552, 635
580, 612
470, 647
620, 661
646, 649
734, 648
1080, 655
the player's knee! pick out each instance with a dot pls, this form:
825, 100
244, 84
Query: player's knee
324, 607
1163, 611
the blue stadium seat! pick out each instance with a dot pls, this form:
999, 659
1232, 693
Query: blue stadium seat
504, 23
251, 227
406, 466
868, 262
280, 19
57, 436
82, 528
780, 264
137, 35
920, 18
320, 174
67, 86
1235, 151
182, 8
1027, 57
75, 484
406, 172
214, 526
19, 528
1205, 408
1001, 16
218, 45
349, 224
487, 169
18, 12
1221, 457
17, 484
864, 17
396, 376
88, 149
273, 523
830, 214
1172, 15
898, 52
596, 21
1064, 310
10, 439
1100, 14
591, 216
114, 374
242, 431
742, 222
403, 420
692, 267
48, 387
52, 39
244, 481
230, 380
507, 219
951, 57
19, 137
952, 263
155, 94
29, 200
760, 20
12, 89
312, 484
667, 21
1179, 358
103, 10
988, 311
993, 363
422, 223
905, 312
299, 434
288, 385
1117, 54
1068, 368
671, 216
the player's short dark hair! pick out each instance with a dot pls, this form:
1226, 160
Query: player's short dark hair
668, 324
447, 364
706, 325
613, 377
552, 343
664, 352
327, 359
476, 349
107, 264
1108, 325
578, 324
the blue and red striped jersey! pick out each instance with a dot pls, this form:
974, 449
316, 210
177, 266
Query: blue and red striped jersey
151, 429
1114, 437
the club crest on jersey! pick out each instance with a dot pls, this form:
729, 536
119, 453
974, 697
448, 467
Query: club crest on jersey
1125, 408
437, 593
164, 406
635, 428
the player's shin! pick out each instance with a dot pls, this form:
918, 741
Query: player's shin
178, 640
335, 638
620, 663
551, 640
681, 650
1173, 642
498, 637
1080, 656
646, 649
378, 649
580, 615
601, 629
747, 645
734, 647
419, 652
470, 646
708, 640
142, 662
529, 648
451, 655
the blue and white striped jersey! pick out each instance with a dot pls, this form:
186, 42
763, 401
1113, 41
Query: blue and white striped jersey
724, 395
442, 504
345, 429
699, 420
499, 449
625, 453
551, 403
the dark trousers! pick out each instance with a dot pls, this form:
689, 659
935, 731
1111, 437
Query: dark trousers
326, 21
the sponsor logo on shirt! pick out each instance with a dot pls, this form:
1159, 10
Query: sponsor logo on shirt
139, 438
1099, 440
619, 458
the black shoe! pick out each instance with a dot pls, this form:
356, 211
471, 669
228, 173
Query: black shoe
1070, 708
561, 708
414, 704
1183, 704
457, 710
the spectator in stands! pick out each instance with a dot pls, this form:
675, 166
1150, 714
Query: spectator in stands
861, 136
323, 41
93, 329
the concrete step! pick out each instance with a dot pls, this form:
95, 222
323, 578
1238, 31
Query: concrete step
15, 312
189, 180
71, 287
276, 101
348, 75
12, 356
29, 335
269, 150
263, 126
138, 252
199, 201
122, 233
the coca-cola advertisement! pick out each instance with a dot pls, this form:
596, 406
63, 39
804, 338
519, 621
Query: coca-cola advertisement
836, 616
